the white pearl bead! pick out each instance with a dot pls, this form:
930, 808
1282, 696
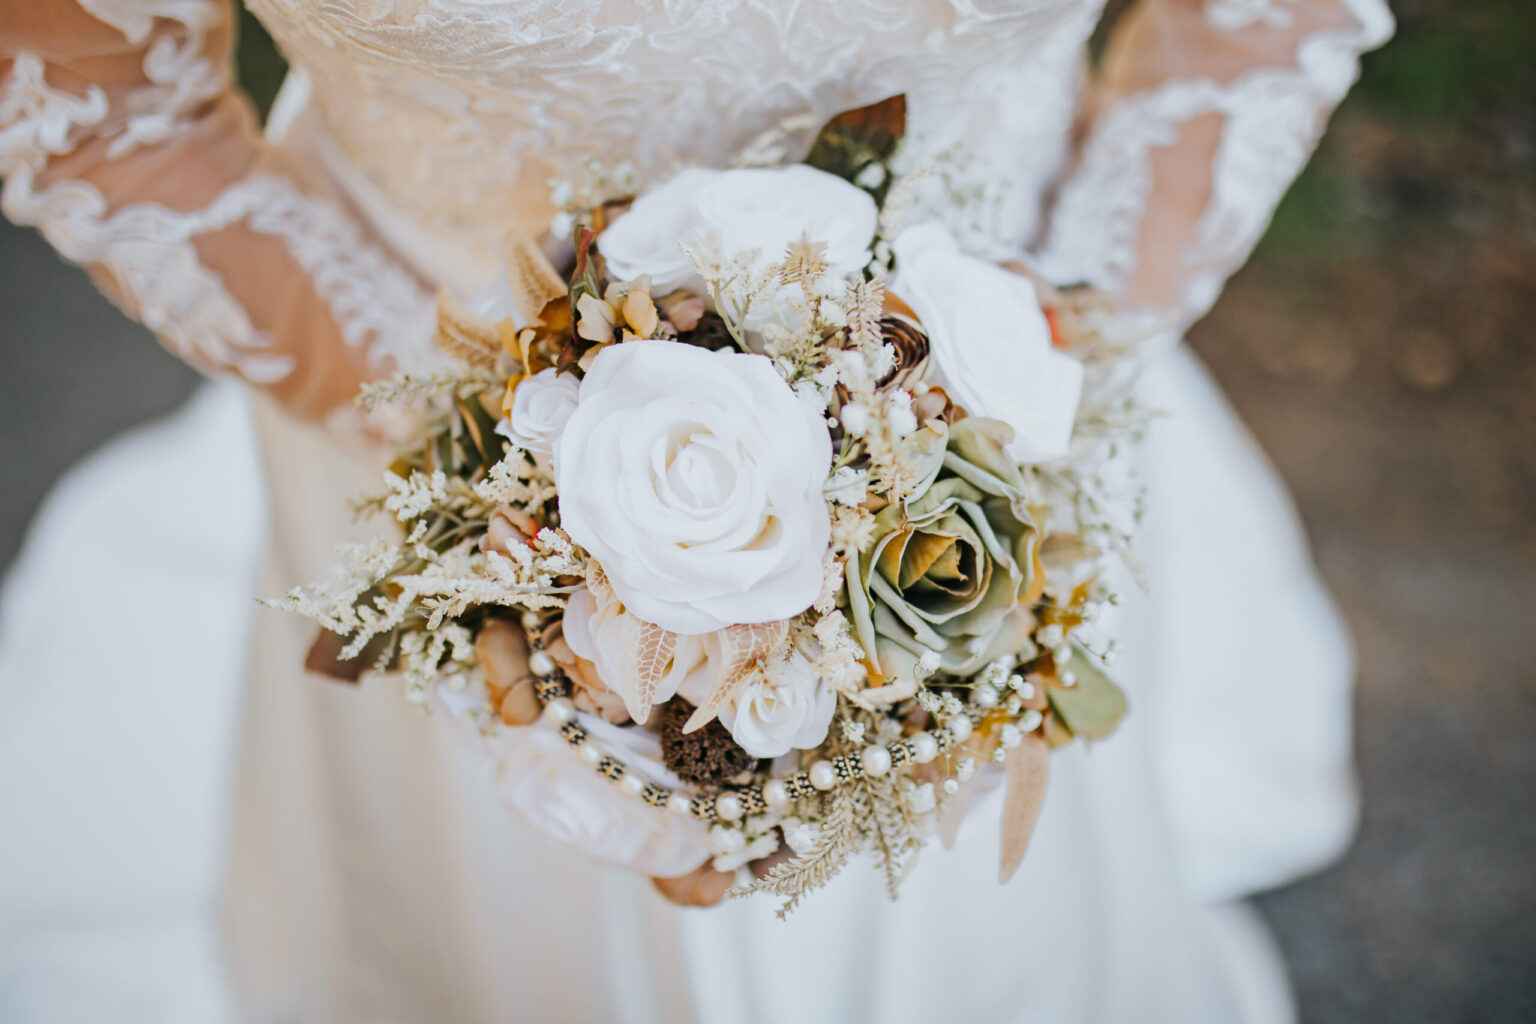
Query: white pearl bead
560, 710
984, 696
924, 747
728, 807
776, 795
1010, 736
590, 753
541, 664
960, 728
876, 760
823, 775
680, 804
631, 784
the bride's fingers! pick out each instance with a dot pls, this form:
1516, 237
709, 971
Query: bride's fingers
701, 887
503, 653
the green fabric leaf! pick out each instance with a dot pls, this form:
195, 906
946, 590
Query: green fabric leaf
1094, 707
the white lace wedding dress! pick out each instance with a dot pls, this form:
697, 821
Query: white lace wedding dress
355, 857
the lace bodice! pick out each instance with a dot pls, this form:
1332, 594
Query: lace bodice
461, 111
429, 126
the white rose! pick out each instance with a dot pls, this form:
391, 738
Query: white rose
646, 238
540, 406
694, 478
784, 708
542, 776
990, 343
765, 209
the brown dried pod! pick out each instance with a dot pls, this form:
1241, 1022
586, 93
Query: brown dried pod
910, 343
710, 333
705, 757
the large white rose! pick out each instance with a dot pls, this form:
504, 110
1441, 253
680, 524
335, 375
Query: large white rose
543, 777
784, 708
747, 208
990, 344
540, 406
694, 478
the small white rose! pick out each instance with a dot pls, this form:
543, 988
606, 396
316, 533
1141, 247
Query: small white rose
695, 479
783, 708
540, 406
543, 777
990, 344
738, 210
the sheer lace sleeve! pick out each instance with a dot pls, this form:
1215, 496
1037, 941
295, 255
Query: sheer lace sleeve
124, 143
1207, 110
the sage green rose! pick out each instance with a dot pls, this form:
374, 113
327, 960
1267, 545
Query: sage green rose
948, 568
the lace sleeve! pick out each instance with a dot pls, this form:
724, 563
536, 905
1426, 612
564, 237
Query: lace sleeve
1205, 113
124, 143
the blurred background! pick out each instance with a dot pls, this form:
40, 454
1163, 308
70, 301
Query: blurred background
1379, 344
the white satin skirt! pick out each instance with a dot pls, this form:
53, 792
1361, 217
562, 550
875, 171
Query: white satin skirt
196, 830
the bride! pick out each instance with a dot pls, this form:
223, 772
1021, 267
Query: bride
357, 865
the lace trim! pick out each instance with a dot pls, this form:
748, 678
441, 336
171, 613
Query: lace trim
149, 253
37, 122
1273, 120
181, 75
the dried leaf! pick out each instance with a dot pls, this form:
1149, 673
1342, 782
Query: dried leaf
654, 648
325, 659
855, 139
531, 277
1093, 707
1028, 767
743, 649
465, 335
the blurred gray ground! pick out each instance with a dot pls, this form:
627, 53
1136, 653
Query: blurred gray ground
1380, 346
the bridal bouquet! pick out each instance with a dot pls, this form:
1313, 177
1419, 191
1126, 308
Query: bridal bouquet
763, 537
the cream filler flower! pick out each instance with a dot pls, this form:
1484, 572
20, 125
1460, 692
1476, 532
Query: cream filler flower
695, 479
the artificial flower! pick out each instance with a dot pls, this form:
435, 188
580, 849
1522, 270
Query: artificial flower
769, 210
990, 343
781, 708
540, 406
695, 479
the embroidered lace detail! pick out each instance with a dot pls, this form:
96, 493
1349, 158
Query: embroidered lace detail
461, 111
147, 249
1273, 118
180, 76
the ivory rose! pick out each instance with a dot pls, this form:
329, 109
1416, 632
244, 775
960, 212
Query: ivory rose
990, 344
738, 210
540, 406
783, 708
694, 478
